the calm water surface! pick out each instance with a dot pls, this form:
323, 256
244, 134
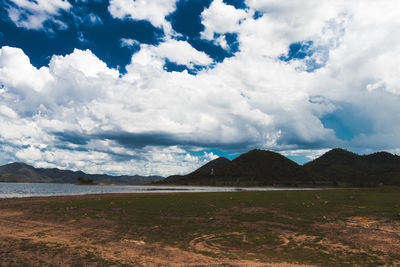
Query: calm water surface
10, 190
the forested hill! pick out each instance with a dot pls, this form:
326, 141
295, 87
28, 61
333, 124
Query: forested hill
338, 167
346, 168
21, 172
254, 168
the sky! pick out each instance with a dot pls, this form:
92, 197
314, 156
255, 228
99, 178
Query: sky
160, 87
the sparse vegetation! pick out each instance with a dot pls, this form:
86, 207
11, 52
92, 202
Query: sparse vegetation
335, 227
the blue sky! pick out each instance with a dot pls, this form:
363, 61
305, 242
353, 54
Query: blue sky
163, 86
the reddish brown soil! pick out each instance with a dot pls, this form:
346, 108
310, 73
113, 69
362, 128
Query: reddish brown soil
33, 240
27, 240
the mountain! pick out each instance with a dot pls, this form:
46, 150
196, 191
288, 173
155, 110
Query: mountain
337, 167
256, 167
21, 172
204, 171
212, 166
349, 169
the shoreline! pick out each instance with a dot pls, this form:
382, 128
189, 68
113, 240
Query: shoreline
17, 190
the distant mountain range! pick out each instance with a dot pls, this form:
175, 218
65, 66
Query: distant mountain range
337, 167
21, 172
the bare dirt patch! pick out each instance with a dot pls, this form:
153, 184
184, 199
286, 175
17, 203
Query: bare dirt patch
377, 237
43, 243
212, 243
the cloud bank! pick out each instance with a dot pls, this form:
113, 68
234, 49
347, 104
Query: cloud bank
307, 77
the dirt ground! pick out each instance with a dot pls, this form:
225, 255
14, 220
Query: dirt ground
34, 241
18, 234
27, 241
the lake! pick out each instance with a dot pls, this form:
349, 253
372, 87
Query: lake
11, 190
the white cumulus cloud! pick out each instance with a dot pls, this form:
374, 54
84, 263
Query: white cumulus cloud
179, 52
221, 18
84, 62
13, 62
33, 14
78, 113
154, 11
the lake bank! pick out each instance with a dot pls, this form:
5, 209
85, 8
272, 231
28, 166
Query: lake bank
323, 228
16, 190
